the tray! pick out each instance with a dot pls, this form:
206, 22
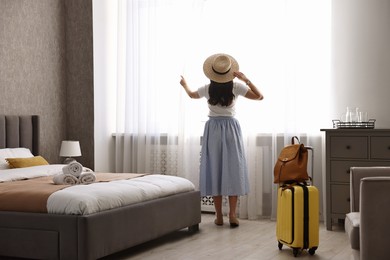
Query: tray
354, 125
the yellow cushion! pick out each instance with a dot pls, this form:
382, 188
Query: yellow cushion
26, 162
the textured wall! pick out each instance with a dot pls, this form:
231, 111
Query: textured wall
32, 66
46, 68
79, 55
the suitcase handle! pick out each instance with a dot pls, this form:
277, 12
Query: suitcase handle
312, 163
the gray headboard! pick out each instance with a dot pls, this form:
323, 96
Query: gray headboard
20, 131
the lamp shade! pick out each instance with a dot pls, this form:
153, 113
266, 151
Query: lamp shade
70, 149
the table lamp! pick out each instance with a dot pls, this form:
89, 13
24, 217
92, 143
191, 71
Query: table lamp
70, 149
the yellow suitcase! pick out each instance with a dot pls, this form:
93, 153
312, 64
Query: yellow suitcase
297, 220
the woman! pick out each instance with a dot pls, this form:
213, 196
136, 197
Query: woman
223, 166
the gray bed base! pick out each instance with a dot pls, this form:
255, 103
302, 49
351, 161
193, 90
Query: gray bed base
52, 236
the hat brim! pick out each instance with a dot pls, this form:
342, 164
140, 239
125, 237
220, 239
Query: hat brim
208, 70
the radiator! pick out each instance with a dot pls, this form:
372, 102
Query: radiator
164, 160
207, 205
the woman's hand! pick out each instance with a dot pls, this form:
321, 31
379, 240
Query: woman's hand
183, 81
191, 94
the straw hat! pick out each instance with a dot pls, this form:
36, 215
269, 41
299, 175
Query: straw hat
220, 67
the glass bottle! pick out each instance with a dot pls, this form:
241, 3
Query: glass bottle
355, 114
352, 114
348, 115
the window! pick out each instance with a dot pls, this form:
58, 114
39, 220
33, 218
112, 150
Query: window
283, 47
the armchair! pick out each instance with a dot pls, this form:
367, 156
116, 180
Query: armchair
367, 225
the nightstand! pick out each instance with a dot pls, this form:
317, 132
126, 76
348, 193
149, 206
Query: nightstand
346, 148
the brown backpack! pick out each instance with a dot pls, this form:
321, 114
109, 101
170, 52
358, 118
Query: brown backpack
291, 165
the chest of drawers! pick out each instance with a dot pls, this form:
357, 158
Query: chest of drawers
346, 148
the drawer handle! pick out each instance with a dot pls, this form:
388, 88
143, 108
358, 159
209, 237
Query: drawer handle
349, 199
348, 147
388, 147
348, 171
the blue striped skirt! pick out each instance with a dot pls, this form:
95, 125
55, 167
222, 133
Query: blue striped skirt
223, 165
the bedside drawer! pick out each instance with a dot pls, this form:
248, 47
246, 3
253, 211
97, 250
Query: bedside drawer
349, 147
340, 198
340, 170
380, 147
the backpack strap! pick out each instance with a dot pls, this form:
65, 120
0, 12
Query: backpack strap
293, 138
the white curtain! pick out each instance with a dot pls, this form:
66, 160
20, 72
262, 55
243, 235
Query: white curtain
283, 46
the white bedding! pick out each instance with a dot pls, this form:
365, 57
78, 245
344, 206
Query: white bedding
88, 199
30, 172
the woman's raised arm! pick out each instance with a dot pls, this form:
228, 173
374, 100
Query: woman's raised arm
191, 94
253, 92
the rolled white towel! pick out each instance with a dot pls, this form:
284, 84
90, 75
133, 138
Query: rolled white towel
86, 169
58, 179
87, 177
64, 178
74, 168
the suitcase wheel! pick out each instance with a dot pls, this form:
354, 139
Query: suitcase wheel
280, 245
312, 250
295, 251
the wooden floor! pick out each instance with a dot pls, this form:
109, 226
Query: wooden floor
251, 240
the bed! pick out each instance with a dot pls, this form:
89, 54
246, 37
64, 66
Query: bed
91, 236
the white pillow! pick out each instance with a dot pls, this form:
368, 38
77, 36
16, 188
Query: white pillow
13, 153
